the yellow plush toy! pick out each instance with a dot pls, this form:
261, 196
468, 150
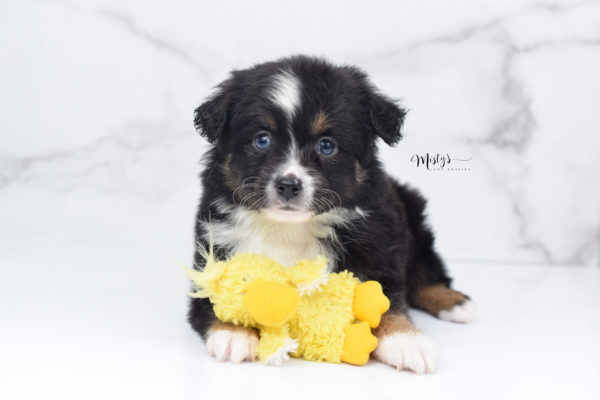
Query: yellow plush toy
302, 310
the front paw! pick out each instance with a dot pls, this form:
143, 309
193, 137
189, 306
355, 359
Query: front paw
410, 351
232, 343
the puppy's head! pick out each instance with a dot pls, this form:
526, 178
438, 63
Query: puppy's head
296, 137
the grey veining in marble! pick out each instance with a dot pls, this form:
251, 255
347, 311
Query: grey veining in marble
97, 142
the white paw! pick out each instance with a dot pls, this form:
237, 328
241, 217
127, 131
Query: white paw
232, 345
464, 312
410, 351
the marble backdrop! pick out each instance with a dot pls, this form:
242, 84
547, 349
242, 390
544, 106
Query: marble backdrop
97, 147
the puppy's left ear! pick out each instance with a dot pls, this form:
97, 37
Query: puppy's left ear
386, 117
211, 117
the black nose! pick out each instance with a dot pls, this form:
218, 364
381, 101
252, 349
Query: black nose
288, 186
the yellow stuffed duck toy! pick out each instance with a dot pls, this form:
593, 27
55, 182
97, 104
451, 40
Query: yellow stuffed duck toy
301, 310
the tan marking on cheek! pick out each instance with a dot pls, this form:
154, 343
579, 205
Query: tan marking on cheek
436, 298
359, 173
319, 124
231, 179
394, 323
268, 122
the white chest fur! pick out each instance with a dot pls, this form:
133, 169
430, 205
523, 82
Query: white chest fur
286, 242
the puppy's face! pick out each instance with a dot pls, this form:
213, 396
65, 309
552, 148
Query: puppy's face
296, 138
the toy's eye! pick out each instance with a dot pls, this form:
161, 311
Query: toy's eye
326, 146
262, 140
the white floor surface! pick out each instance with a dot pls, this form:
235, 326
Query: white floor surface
115, 329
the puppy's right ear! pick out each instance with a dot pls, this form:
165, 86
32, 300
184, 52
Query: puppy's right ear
211, 117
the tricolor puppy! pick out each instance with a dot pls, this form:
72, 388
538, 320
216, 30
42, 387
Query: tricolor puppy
293, 173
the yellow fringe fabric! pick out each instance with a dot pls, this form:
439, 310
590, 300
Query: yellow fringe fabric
319, 320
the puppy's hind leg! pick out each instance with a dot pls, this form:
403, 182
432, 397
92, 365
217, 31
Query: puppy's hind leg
430, 290
428, 280
444, 303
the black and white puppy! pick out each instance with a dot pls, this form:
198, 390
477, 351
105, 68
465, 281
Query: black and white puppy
293, 173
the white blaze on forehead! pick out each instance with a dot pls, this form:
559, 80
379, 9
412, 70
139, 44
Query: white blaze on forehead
285, 93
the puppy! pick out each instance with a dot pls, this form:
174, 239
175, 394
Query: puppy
293, 173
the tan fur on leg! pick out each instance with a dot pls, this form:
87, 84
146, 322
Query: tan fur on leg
392, 323
445, 303
436, 298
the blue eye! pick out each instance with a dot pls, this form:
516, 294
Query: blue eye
326, 147
262, 141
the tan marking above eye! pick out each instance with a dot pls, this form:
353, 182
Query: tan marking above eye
268, 123
319, 124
